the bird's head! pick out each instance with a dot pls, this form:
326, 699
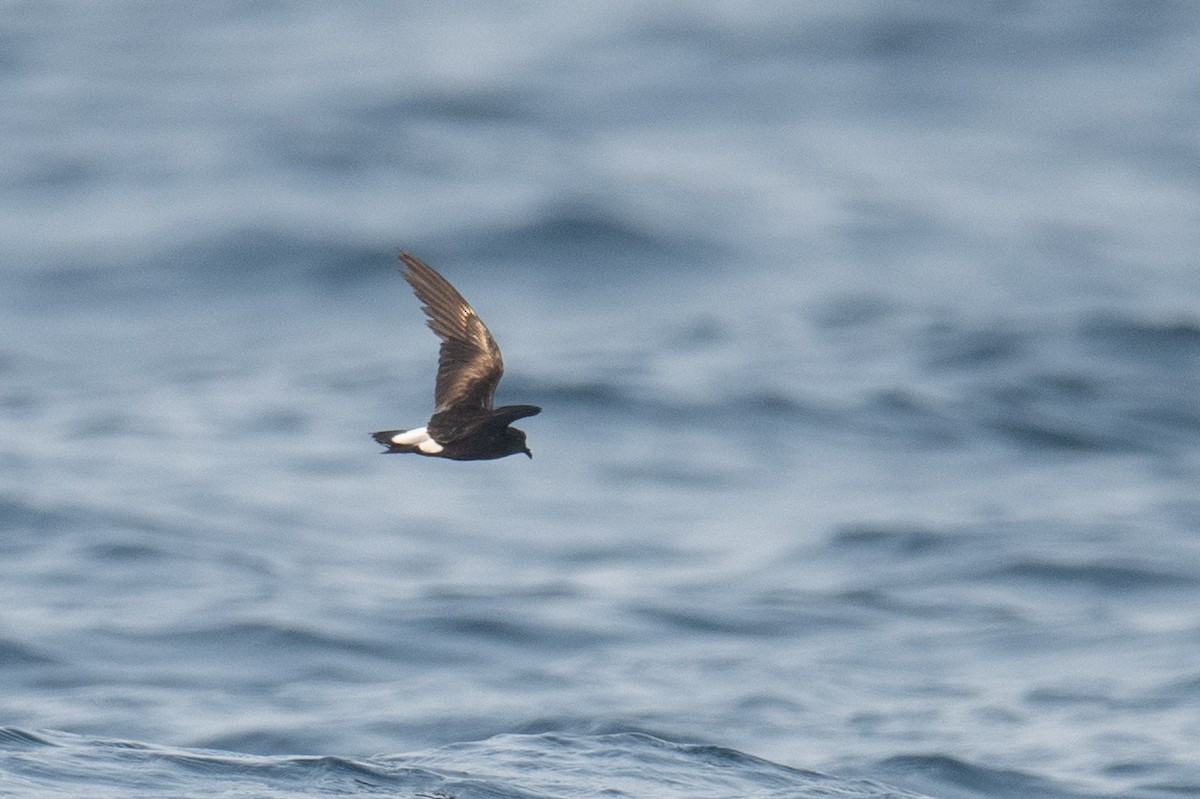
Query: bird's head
515, 442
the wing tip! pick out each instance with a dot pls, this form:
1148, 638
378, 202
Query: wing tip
411, 262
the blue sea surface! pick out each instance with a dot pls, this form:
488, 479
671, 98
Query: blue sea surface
867, 334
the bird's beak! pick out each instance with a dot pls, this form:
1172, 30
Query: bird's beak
530, 454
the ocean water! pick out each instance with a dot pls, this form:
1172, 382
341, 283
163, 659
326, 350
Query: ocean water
867, 334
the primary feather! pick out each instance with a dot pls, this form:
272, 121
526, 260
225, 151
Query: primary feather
469, 362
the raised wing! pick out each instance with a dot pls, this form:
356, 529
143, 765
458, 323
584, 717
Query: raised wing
469, 363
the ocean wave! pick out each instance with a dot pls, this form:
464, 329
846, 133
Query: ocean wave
1170, 342
53, 764
892, 541
566, 235
580, 243
635, 764
1106, 577
267, 640
236, 262
16, 655
512, 766
19, 514
949, 777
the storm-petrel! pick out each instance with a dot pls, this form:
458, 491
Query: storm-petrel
464, 426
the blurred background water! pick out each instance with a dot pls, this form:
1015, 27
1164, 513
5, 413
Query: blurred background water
868, 336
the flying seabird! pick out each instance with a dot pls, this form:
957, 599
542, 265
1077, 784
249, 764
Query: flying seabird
464, 426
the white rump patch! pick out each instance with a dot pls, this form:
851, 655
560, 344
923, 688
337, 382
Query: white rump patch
418, 437
414, 436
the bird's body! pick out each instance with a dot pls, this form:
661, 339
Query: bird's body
464, 426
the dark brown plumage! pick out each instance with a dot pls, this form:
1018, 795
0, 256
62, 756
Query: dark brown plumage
464, 426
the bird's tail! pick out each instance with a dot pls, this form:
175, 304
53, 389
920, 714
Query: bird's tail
385, 437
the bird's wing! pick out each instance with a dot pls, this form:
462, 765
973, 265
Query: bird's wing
462, 422
469, 364
508, 414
